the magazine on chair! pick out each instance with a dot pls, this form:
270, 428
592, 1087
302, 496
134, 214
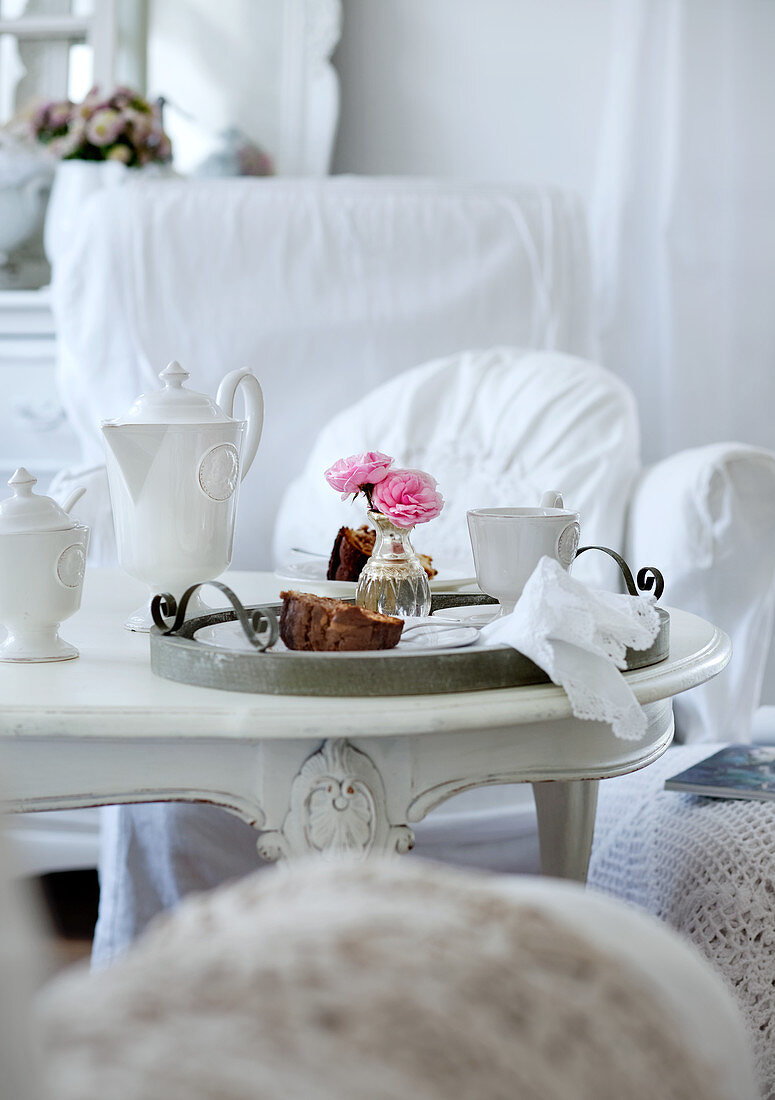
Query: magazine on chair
736, 771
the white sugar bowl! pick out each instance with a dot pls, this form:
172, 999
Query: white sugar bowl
42, 564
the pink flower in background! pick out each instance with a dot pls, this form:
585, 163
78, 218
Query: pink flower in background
86, 108
122, 96
104, 126
120, 152
51, 116
39, 117
407, 497
123, 126
349, 475
59, 115
141, 124
68, 143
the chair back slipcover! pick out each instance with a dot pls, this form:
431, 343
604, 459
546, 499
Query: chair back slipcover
496, 427
325, 289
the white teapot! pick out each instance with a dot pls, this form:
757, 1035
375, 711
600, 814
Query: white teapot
42, 563
175, 461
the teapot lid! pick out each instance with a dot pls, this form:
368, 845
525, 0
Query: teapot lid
174, 404
26, 512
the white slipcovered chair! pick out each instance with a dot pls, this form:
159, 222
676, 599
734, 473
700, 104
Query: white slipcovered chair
331, 288
220, 1002
346, 981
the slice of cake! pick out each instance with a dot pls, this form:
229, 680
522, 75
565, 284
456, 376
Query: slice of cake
323, 624
427, 564
352, 549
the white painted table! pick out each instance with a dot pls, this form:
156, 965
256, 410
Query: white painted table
314, 774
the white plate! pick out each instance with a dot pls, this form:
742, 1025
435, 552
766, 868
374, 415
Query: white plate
231, 636
474, 615
440, 637
313, 571
225, 636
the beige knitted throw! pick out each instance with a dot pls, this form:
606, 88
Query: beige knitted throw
383, 981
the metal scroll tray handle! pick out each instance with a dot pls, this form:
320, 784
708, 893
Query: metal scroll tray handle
262, 630
648, 578
260, 626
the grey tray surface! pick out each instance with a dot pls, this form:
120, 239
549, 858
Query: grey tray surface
182, 658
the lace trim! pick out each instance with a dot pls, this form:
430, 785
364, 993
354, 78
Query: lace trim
579, 636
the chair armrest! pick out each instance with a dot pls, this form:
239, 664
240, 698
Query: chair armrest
706, 518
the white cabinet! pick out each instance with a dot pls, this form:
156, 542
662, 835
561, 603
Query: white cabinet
34, 431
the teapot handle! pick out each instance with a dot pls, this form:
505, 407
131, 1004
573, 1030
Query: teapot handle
254, 409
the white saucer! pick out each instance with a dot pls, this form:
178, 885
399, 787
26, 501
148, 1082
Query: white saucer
313, 571
473, 615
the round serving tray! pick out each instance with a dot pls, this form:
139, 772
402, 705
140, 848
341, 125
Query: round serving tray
181, 657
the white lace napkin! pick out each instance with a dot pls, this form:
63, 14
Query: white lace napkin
579, 637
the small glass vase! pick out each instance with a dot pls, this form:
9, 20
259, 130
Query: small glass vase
393, 580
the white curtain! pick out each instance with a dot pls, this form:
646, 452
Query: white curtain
684, 219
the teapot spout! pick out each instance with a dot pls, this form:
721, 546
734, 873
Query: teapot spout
132, 454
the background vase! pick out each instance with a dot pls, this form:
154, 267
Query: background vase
393, 580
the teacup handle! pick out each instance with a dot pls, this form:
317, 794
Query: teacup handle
254, 409
551, 499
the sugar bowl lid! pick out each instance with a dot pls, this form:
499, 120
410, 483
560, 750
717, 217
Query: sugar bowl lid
174, 404
26, 512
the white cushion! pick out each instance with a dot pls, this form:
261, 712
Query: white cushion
325, 289
396, 979
495, 427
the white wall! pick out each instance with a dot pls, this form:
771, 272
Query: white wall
478, 89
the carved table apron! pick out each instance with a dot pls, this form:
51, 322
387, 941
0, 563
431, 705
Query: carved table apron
321, 775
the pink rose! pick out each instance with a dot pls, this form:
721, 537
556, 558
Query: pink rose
407, 497
348, 475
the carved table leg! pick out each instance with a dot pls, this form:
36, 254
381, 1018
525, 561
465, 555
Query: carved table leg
566, 823
337, 808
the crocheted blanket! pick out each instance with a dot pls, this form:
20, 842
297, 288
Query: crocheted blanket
706, 866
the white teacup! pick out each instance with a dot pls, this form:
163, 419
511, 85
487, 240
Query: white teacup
509, 542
